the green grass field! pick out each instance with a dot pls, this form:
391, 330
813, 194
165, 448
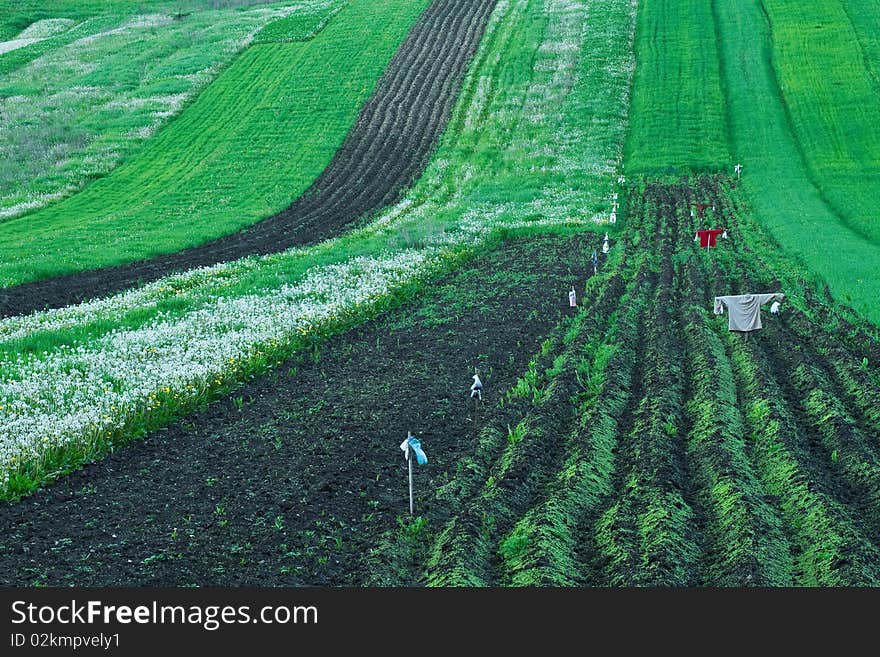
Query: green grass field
779, 168
519, 144
22, 54
92, 95
17, 15
249, 145
520, 112
301, 25
828, 79
677, 119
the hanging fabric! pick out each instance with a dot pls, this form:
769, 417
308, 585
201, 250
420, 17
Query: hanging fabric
744, 310
708, 238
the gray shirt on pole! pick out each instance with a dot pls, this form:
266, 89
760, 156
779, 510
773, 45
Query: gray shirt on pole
744, 310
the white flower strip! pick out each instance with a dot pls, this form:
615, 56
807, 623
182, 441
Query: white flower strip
82, 392
36, 201
37, 32
43, 29
204, 279
473, 226
15, 44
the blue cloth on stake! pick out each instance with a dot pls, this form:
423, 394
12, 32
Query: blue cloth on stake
416, 447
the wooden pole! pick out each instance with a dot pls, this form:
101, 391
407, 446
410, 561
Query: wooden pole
409, 458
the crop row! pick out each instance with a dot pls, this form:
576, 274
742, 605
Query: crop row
652, 446
649, 532
749, 545
830, 549
517, 462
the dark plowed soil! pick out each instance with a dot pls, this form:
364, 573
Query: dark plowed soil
385, 151
295, 478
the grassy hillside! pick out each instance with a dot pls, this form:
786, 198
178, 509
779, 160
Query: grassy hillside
88, 376
779, 167
251, 143
17, 15
97, 92
825, 55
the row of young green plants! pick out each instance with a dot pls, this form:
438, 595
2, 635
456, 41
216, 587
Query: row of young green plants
853, 454
649, 534
515, 459
688, 454
829, 548
844, 347
749, 544
613, 512
745, 537
546, 546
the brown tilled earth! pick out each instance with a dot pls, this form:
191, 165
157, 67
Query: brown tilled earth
295, 477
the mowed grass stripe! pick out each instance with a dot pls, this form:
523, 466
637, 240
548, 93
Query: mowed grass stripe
777, 183
677, 117
77, 105
299, 26
833, 103
865, 19
250, 144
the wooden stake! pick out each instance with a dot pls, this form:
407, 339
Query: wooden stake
409, 460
